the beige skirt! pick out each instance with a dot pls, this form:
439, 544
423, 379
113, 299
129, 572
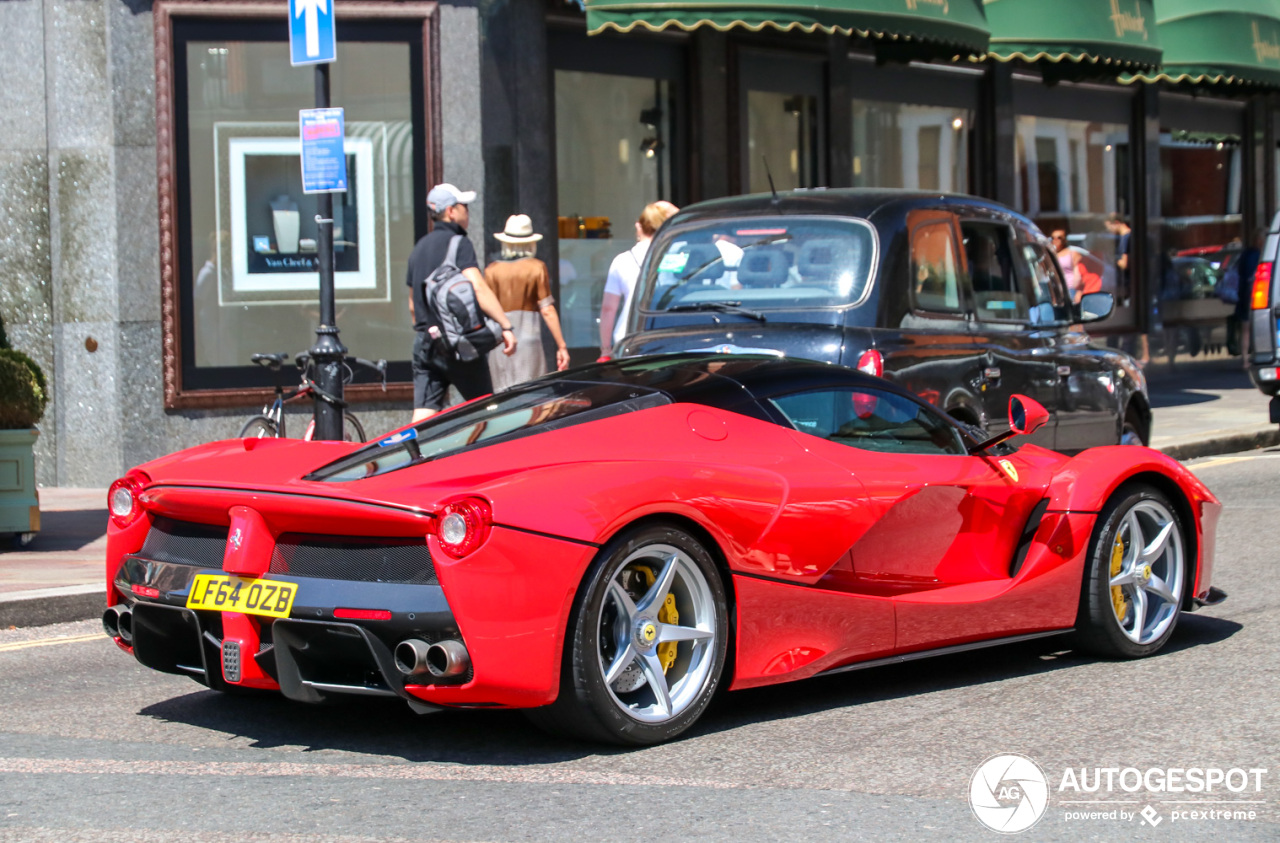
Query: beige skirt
529, 361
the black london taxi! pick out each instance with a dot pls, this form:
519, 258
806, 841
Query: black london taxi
956, 298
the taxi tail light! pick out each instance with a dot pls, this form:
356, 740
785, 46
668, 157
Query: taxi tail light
1262, 286
463, 525
122, 498
871, 362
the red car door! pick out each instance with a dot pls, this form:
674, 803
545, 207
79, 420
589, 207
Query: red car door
944, 525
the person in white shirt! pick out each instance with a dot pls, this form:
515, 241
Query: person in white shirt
624, 273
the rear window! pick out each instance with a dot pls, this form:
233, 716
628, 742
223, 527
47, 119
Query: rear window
499, 418
760, 263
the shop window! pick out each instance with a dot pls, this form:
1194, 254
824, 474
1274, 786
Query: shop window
1071, 176
1200, 189
781, 122
614, 150
919, 147
620, 145
246, 260
782, 141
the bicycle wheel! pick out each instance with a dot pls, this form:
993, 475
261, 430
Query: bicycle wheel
352, 430
259, 427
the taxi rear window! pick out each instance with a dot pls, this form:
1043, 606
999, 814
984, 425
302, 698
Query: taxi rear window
760, 263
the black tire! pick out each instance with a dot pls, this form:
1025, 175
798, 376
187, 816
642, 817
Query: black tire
629, 710
1132, 430
1154, 576
259, 427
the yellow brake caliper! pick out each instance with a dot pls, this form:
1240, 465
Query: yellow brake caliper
667, 614
1118, 600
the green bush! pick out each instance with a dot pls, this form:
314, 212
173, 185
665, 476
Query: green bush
4, 340
23, 391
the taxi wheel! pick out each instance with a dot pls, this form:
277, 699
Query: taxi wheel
1136, 576
646, 644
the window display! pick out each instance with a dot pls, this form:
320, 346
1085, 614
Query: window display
248, 261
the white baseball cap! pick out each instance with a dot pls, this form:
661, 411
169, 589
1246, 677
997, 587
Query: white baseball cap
446, 196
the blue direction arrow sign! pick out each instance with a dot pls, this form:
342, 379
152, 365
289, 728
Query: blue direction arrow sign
324, 159
311, 35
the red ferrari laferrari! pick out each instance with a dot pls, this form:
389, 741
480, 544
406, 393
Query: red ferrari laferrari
610, 546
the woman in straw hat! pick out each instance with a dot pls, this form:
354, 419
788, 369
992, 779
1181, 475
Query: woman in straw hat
523, 287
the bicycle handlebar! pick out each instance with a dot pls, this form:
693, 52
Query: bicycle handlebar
303, 361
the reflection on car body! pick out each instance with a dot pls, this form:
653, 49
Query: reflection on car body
958, 299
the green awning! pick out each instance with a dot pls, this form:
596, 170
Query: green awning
959, 25
1117, 33
1219, 42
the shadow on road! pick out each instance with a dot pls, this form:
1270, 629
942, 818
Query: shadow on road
388, 728
68, 530
976, 667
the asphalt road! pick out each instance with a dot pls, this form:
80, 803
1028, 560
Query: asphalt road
94, 747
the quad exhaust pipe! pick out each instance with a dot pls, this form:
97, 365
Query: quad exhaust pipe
442, 660
117, 622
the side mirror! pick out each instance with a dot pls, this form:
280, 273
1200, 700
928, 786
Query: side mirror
1026, 415
1094, 307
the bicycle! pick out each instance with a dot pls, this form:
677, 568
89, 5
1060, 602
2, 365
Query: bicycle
270, 424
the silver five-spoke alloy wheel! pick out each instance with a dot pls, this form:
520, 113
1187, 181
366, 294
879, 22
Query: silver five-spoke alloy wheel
657, 633
1147, 571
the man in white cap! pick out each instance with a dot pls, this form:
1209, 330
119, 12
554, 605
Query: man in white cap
434, 369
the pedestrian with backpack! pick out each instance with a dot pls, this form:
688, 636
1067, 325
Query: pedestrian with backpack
456, 317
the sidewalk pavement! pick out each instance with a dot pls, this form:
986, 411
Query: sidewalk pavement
1202, 406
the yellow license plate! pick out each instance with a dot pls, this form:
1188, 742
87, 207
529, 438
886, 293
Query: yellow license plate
221, 593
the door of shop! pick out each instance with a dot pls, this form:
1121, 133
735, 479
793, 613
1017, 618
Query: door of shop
782, 122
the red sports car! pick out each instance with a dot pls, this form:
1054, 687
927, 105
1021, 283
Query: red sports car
610, 546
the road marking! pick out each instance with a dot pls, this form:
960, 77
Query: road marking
1229, 460
49, 642
402, 772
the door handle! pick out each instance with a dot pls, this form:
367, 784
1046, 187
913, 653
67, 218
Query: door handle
991, 373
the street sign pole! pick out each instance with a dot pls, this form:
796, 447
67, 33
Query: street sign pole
328, 350
312, 40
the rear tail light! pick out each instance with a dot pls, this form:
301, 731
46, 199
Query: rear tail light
1262, 286
871, 362
122, 498
464, 525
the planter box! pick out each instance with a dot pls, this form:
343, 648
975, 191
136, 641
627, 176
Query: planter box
19, 501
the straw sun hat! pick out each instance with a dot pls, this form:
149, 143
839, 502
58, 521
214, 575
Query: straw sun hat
519, 229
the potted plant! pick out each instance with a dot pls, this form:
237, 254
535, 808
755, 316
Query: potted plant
23, 396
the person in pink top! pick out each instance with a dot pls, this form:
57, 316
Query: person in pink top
1070, 263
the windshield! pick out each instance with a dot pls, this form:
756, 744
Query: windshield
760, 263
502, 417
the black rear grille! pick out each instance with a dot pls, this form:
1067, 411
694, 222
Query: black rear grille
361, 560
185, 543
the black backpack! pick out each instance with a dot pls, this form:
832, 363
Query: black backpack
462, 328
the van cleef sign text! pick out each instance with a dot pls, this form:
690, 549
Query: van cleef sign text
1126, 22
